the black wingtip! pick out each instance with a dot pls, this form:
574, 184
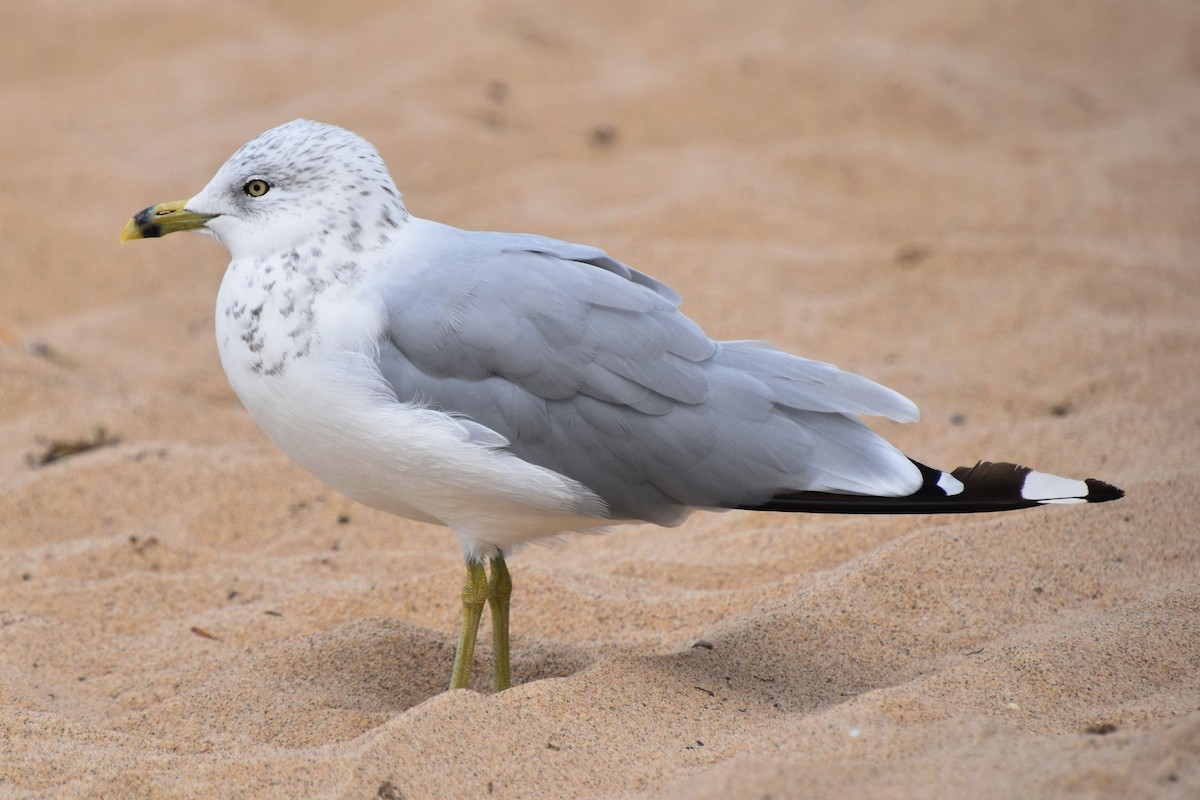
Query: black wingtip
987, 486
1101, 492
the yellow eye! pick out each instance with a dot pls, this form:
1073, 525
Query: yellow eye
256, 187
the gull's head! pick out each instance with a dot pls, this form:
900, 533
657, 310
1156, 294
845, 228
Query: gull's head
301, 183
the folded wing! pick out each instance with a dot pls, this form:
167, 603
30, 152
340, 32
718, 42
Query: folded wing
587, 367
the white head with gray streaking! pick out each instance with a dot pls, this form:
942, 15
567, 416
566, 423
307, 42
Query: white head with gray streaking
301, 184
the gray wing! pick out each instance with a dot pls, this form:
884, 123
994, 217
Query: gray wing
588, 368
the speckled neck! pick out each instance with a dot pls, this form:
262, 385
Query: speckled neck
267, 309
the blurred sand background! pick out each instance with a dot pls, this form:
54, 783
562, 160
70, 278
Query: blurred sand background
992, 207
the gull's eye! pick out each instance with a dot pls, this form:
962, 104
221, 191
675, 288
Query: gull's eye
256, 188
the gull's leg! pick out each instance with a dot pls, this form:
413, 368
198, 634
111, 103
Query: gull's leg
474, 593
499, 592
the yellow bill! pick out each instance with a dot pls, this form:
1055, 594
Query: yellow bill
162, 219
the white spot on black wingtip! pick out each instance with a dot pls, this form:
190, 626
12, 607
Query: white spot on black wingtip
1046, 488
950, 484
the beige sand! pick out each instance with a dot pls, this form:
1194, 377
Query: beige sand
993, 208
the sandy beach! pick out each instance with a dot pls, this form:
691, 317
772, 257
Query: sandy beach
993, 208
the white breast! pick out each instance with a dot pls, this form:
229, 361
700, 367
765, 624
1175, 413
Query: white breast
311, 383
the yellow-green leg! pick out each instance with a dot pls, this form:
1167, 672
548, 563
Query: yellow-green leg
474, 594
499, 592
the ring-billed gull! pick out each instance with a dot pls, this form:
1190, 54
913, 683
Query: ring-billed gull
513, 387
